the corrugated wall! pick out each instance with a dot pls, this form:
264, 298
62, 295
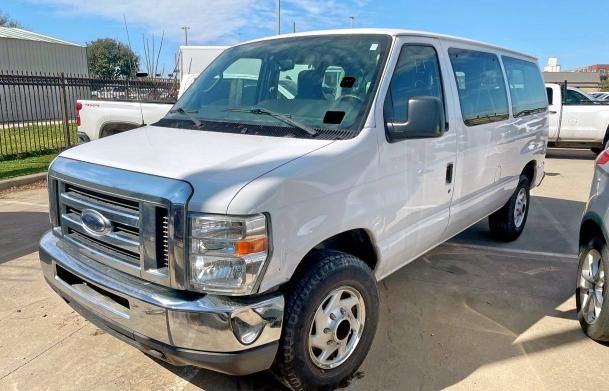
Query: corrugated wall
34, 56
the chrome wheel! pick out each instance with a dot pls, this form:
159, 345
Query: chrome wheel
591, 286
337, 327
520, 208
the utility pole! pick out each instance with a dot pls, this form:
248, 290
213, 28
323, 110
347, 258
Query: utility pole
352, 21
185, 28
278, 17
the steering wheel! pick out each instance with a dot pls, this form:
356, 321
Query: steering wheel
352, 97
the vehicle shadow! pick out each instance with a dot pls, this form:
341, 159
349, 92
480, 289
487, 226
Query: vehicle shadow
20, 233
462, 306
568, 153
473, 302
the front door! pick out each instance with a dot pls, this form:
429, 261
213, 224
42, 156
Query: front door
579, 116
416, 185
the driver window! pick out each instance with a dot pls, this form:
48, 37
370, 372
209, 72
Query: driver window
417, 74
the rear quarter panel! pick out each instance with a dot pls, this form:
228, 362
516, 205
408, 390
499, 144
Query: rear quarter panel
95, 114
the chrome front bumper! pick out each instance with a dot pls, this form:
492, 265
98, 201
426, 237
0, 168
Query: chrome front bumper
219, 333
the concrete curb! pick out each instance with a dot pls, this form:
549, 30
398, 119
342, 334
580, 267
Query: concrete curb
6, 184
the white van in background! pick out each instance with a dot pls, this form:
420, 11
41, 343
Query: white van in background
248, 228
101, 118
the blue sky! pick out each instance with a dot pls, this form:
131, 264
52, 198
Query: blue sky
556, 28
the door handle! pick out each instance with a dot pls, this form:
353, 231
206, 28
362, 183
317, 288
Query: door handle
553, 112
449, 173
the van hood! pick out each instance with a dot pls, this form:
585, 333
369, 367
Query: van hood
217, 165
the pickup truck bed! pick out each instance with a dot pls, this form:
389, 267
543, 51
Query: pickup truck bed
100, 118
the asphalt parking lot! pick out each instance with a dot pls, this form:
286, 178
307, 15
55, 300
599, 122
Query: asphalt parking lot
471, 314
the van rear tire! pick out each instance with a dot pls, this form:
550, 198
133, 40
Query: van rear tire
507, 223
335, 296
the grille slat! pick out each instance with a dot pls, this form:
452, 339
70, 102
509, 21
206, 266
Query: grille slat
137, 241
122, 242
124, 216
165, 233
127, 242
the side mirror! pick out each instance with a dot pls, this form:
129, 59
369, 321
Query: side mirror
425, 119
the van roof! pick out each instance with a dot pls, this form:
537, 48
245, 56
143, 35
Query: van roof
398, 33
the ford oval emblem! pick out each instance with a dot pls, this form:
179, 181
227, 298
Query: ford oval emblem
95, 223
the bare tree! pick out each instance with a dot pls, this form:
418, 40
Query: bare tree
6, 21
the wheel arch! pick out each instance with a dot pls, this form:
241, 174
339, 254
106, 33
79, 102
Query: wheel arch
591, 227
114, 127
530, 171
357, 242
606, 138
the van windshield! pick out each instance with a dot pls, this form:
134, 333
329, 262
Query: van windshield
309, 87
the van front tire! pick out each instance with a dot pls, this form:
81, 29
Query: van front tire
507, 223
329, 322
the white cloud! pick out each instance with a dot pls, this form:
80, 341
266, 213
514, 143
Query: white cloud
215, 20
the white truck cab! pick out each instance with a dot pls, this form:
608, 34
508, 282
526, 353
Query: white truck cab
576, 119
248, 228
98, 118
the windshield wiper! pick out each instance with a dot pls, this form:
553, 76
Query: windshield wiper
191, 117
285, 118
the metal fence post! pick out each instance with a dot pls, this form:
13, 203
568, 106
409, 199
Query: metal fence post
64, 107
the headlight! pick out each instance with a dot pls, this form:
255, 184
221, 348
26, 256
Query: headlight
227, 253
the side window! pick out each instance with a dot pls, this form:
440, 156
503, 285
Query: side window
550, 95
239, 83
575, 98
480, 85
417, 74
526, 86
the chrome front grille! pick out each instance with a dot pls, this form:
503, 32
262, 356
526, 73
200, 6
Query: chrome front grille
142, 219
122, 242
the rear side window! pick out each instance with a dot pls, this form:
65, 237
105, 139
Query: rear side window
526, 86
481, 86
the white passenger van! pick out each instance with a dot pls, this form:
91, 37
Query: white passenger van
248, 228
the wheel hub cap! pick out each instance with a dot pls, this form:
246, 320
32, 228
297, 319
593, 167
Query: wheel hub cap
591, 286
336, 328
520, 207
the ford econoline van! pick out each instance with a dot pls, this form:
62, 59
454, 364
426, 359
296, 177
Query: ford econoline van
248, 228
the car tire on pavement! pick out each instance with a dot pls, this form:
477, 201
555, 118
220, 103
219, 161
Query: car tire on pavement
330, 321
592, 278
507, 223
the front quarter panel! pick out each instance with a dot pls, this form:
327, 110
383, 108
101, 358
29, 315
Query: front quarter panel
315, 197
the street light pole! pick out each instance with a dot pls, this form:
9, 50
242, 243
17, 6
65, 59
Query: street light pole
185, 28
278, 17
352, 21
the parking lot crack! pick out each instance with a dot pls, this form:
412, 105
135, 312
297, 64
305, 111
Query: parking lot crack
43, 352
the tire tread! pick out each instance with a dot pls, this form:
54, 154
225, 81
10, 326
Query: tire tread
320, 264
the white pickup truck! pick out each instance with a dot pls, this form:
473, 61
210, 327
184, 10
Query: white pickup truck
576, 120
101, 118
